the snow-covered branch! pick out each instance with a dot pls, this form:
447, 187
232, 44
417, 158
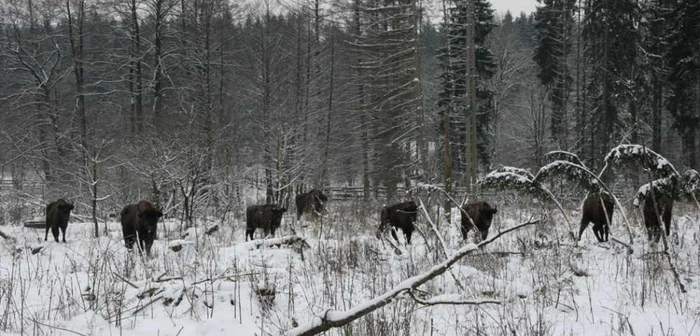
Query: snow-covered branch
276, 242
447, 301
640, 156
563, 156
570, 171
335, 318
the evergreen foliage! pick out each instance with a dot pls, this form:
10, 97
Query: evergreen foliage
554, 23
452, 95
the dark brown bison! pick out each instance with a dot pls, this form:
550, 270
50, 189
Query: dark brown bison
592, 212
481, 214
57, 215
664, 208
266, 216
311, 203
399, 216
140, 221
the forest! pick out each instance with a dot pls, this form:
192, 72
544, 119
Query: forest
217, 111
188, 102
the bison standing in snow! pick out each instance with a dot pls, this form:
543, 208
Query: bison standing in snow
266, 216
57, 215
311, 203
481, 213
598, 209
399, 216
140, 221
664, 209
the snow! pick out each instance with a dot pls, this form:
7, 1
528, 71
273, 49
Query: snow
645, 157
644, 190
209, 287
508, 176
517, 171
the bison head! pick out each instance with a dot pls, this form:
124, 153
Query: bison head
318, 200
64, 208
149, 216
383, 221
277, 213
486, 212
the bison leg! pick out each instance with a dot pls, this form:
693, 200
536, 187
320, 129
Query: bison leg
649, 233
63, 232
46, 236
149, 244
249, 232
54, 231
598, 232
408, 234
129, 240
465, 231
393, 234
582, 227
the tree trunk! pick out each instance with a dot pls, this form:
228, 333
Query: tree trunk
159, 12
657, 108
136, 85
326, 152
472, 102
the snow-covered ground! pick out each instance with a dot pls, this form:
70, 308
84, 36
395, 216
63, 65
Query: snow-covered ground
220, 285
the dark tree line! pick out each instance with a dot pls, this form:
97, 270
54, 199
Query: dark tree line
634, 67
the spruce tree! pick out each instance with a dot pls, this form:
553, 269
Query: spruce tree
683, 58
610, 34
554, 22
454, 78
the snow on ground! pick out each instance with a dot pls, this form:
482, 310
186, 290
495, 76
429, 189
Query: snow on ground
220, 285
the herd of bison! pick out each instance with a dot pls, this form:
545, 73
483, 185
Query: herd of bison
139, 221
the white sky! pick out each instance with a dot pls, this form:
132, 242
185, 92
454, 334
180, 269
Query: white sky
515, 6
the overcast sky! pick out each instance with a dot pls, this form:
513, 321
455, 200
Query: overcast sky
515, 6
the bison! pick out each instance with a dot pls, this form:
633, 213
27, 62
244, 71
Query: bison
267, 217
664, 209
140, 221
481, 213
598, 209
399, 216
57, 215
311, 202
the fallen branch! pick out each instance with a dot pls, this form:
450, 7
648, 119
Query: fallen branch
440, 239
6, 237
335, 318
125, 280
434, 302
168, 279
156, 298
276, 242
629, 247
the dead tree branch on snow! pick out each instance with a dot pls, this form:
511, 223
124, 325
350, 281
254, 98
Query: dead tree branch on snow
334, 319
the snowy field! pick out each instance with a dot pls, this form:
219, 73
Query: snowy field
220, 285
